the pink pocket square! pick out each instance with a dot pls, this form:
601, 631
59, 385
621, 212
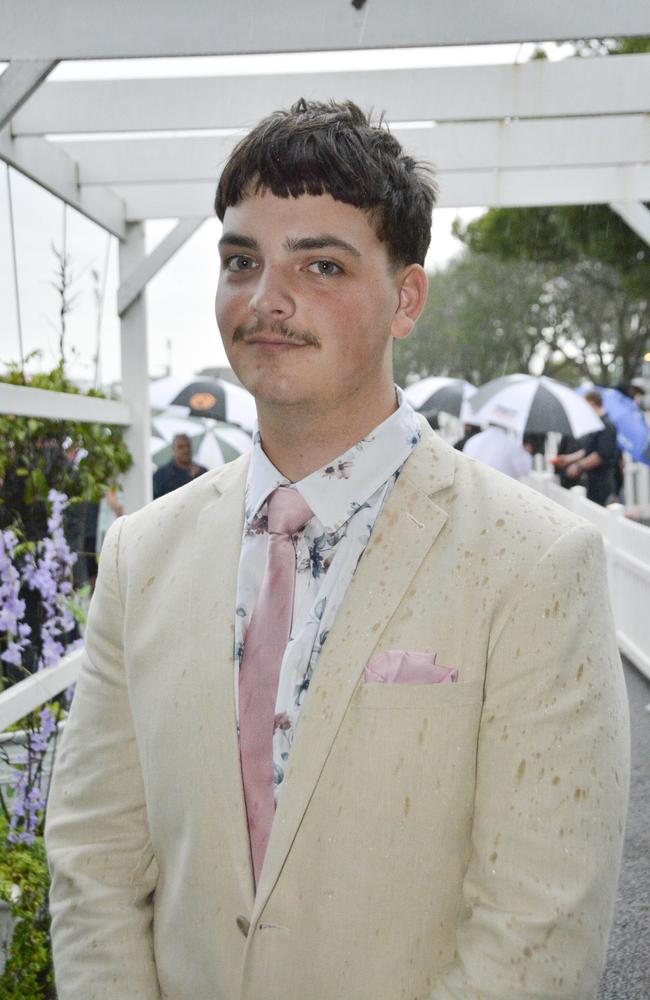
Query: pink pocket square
397, 666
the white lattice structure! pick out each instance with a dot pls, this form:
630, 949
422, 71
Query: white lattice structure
541, 133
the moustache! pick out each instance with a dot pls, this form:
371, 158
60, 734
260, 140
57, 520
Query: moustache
245, 333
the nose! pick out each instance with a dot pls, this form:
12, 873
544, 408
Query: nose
271, 298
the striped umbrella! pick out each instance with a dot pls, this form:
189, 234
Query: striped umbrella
205, 396
438, 393
533, 404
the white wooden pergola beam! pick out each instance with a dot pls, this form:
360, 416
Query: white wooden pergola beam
458, 93
25, 401
134, 283
559, 142
135, 374
43, 30
19, 81
53, 169
636, 215
616, 140
522, 188
497, 188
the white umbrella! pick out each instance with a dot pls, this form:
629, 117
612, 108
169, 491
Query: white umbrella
213, 443
205, 396
533, 404
439, 393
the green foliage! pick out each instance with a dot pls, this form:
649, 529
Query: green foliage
563, 235
489, 315
24, 885
598, 271
612, 46
483, 319
36, 455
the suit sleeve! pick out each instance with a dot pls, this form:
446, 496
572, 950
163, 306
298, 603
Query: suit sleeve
101, 859
551, 790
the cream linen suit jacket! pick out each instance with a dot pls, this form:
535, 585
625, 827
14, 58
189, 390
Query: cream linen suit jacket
431, 841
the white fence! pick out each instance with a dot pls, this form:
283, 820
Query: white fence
627, 545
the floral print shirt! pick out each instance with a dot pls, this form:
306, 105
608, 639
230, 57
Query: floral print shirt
346, 496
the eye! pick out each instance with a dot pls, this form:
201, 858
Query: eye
326, 268
239, 262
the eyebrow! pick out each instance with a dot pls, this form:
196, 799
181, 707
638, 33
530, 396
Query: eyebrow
237, 240
320, 242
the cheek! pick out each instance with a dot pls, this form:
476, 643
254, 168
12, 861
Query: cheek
225, 307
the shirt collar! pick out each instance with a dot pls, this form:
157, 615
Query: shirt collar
337, 490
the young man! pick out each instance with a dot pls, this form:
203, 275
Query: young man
351, 722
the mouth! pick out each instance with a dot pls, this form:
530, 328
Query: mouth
273, 343
274, 337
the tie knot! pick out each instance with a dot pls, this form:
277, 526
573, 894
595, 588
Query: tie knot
287, 511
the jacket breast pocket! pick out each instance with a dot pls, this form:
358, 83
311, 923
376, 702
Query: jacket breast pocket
419, 696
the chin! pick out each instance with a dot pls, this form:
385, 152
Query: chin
273, 390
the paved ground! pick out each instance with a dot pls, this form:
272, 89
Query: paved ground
627, 974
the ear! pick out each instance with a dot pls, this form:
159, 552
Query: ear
413, 288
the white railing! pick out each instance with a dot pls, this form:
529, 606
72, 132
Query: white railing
636, 484
26, 696
627, 547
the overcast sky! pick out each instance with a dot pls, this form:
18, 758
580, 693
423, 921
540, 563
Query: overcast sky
182, 330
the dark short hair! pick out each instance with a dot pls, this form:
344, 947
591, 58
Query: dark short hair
593, 396
333, 148
630, 389
181, 437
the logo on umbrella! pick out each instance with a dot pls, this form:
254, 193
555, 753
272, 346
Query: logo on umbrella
202, 401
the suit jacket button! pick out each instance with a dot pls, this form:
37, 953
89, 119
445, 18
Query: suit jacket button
244, 925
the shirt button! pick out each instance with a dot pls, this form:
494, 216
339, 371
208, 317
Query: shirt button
244, 925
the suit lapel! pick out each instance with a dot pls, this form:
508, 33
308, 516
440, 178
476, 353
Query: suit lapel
403, 534
217, 547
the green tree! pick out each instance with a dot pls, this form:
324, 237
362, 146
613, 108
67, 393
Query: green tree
484, 317
599, 271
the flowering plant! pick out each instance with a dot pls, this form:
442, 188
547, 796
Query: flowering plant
42, 571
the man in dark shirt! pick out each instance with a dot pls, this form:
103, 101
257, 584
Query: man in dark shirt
179, 471
597, 456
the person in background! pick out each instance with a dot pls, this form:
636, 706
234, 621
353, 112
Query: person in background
632, 391
535, 444
567, 446
180, 470
497, 448
470, 430
596, 458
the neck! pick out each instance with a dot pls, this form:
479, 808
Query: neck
298, 443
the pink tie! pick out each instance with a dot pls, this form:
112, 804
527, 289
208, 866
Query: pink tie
264, 646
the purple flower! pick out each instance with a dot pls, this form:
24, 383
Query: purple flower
47, 571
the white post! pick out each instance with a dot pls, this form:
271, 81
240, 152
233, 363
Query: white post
643, 485
629, 482
135, 376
